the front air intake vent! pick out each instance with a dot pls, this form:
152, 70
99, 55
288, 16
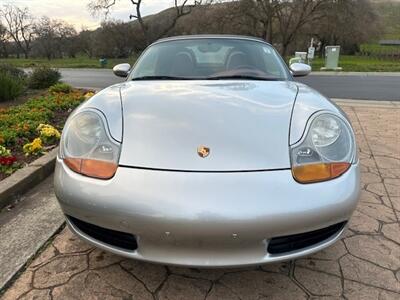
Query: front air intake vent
108, 236
289, 243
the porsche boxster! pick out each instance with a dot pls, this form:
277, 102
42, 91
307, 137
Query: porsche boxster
208, 154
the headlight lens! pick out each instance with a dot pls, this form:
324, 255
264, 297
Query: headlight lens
325, 131
87, 149
326, 152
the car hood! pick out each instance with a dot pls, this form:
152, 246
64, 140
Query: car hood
245, 124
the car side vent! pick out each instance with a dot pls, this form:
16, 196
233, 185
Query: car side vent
288, 243
108, 236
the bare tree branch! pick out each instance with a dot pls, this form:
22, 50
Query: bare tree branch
182, 8
19, 26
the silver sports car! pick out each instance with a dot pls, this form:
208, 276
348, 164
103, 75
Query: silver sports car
209, 154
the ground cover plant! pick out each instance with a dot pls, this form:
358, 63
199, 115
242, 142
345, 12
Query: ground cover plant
60, 88
30, 129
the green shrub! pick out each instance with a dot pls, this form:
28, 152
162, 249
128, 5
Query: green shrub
13, 71
379, 51
43, 77
12, 82
60, 88
10, 86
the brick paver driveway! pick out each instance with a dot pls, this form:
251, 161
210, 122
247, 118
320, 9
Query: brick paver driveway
365, 264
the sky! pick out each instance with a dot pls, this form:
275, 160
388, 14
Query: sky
76, 12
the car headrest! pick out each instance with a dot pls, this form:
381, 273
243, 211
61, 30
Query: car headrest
236, 59
182, 65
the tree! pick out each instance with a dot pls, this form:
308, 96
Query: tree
181, 9
114, 39
292, 16
53, 37
3, 41
389, 12
264, 12
68, 38
281, 21
220, 18
86, 42
46, 37
347, 23
19, 26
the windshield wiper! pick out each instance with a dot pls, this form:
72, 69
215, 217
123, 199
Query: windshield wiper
243, 77
162, 77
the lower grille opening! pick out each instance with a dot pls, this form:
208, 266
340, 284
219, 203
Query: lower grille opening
112, 237
288, 243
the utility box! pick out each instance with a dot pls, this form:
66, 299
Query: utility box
302, 56
332, 58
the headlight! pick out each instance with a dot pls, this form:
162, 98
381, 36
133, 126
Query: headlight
86, 147
326, 152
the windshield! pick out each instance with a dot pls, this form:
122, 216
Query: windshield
210, 58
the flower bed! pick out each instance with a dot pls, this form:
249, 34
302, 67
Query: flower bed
30, 129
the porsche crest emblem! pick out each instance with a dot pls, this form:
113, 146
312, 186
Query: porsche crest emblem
203, 151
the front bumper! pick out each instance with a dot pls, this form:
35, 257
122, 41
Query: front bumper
206, 219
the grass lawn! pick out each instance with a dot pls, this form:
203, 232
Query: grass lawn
362, 64
348, 63
78, 62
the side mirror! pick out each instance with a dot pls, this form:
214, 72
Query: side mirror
300, 69
122, 70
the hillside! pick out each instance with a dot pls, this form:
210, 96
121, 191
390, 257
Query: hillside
389, 12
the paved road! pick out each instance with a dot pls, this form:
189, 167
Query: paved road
96, 78
371, 87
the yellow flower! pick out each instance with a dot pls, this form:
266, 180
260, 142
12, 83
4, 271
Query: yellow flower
88, 95
35, 147
4, 151
40, 127
36, 144
48, 131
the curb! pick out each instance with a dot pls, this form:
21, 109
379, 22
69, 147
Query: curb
20, 269
367, 103
341, 73
26, 178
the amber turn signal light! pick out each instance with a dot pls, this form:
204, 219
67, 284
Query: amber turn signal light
319, 172
93, 168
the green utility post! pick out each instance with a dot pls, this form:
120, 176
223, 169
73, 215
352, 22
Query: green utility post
332, 58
